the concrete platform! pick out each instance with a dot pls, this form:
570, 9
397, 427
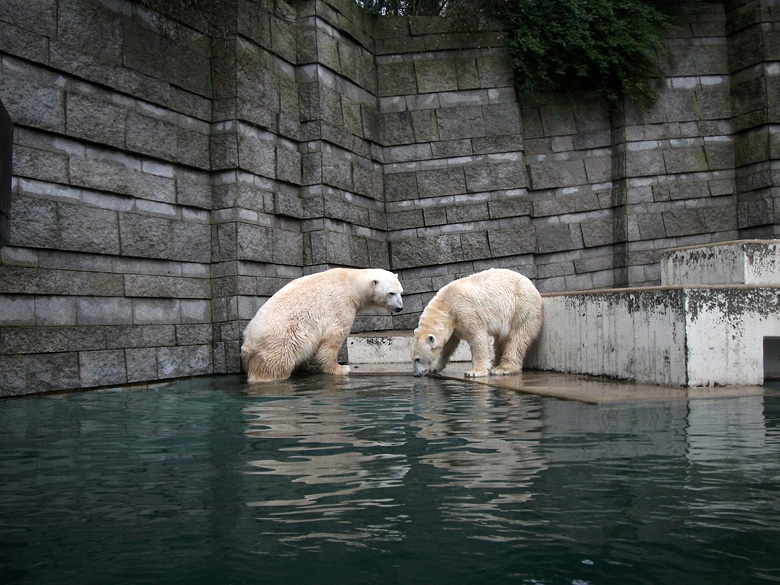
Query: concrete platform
590, 389
713, 328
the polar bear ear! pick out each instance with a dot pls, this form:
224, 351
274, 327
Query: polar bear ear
432, 340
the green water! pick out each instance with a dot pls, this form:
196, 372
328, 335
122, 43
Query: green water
385, 479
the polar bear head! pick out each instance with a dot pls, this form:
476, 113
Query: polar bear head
430, 337
426, 351
385, 290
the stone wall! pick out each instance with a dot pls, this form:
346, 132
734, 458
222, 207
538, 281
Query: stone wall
165, 184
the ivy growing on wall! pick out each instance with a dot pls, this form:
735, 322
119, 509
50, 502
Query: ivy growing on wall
616, 47
613, 46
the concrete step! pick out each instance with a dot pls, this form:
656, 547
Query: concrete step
742, 262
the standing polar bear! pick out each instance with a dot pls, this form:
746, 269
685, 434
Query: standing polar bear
307, 320
496, 303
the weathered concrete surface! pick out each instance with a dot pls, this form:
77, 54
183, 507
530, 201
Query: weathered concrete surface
684, 335
710, 336
390, 347
591, 389
750, 262
664, 336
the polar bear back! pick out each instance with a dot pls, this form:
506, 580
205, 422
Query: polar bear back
497, 300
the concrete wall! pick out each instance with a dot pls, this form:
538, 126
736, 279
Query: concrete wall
165, 184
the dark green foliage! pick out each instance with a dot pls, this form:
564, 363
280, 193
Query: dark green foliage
612, 46
407, 7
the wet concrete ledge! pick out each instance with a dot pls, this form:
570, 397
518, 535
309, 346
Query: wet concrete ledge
580, 387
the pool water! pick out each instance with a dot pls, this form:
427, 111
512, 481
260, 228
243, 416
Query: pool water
385, 479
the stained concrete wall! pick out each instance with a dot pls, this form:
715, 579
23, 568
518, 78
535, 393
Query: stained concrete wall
165, 184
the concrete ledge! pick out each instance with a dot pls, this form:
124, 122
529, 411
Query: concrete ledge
699, 334
743, 262
708, 336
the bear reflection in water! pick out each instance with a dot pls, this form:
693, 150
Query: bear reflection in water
360, 444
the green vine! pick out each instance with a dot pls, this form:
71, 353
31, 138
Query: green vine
613, 46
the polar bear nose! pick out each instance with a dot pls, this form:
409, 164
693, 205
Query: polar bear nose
399, 308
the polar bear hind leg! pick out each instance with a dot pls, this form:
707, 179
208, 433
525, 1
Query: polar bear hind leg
516, 346
262, 366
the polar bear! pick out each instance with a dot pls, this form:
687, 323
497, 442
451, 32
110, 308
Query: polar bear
307, 320
496, 302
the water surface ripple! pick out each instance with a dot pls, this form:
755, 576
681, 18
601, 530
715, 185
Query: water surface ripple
385, 479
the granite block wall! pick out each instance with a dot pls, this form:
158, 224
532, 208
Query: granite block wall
165, 183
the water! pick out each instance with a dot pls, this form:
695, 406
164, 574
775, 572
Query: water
385, 480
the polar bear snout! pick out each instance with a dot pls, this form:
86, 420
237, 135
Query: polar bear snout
419, 369
396, 302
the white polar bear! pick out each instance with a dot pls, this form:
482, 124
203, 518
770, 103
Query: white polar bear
307, 320
496, 302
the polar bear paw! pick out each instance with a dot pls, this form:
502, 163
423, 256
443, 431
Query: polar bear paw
476, 373
337, 370
503, 371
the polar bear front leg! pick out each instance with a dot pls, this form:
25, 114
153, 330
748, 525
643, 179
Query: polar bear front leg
480, 356
326, 358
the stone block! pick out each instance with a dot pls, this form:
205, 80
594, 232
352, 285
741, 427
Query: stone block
460, 122
87, 229
137, 336
397, 128
30, 374
435, 216
412, 253
38, 96
288, 165
510, 207
424, 126
97, 118
551, 172
556, 237
287, 247
401, 220
55, 311
188, 360
34, 223
597, 232
155, 311
685, 159
104, 311
512, 241
467, 213
495, 70
436, 75
502, 119
441, 182
396, 78
141, 364
253, 243
495, 176
641, 161
194, 334
683, 222
598, 169
475, 245
102, 368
